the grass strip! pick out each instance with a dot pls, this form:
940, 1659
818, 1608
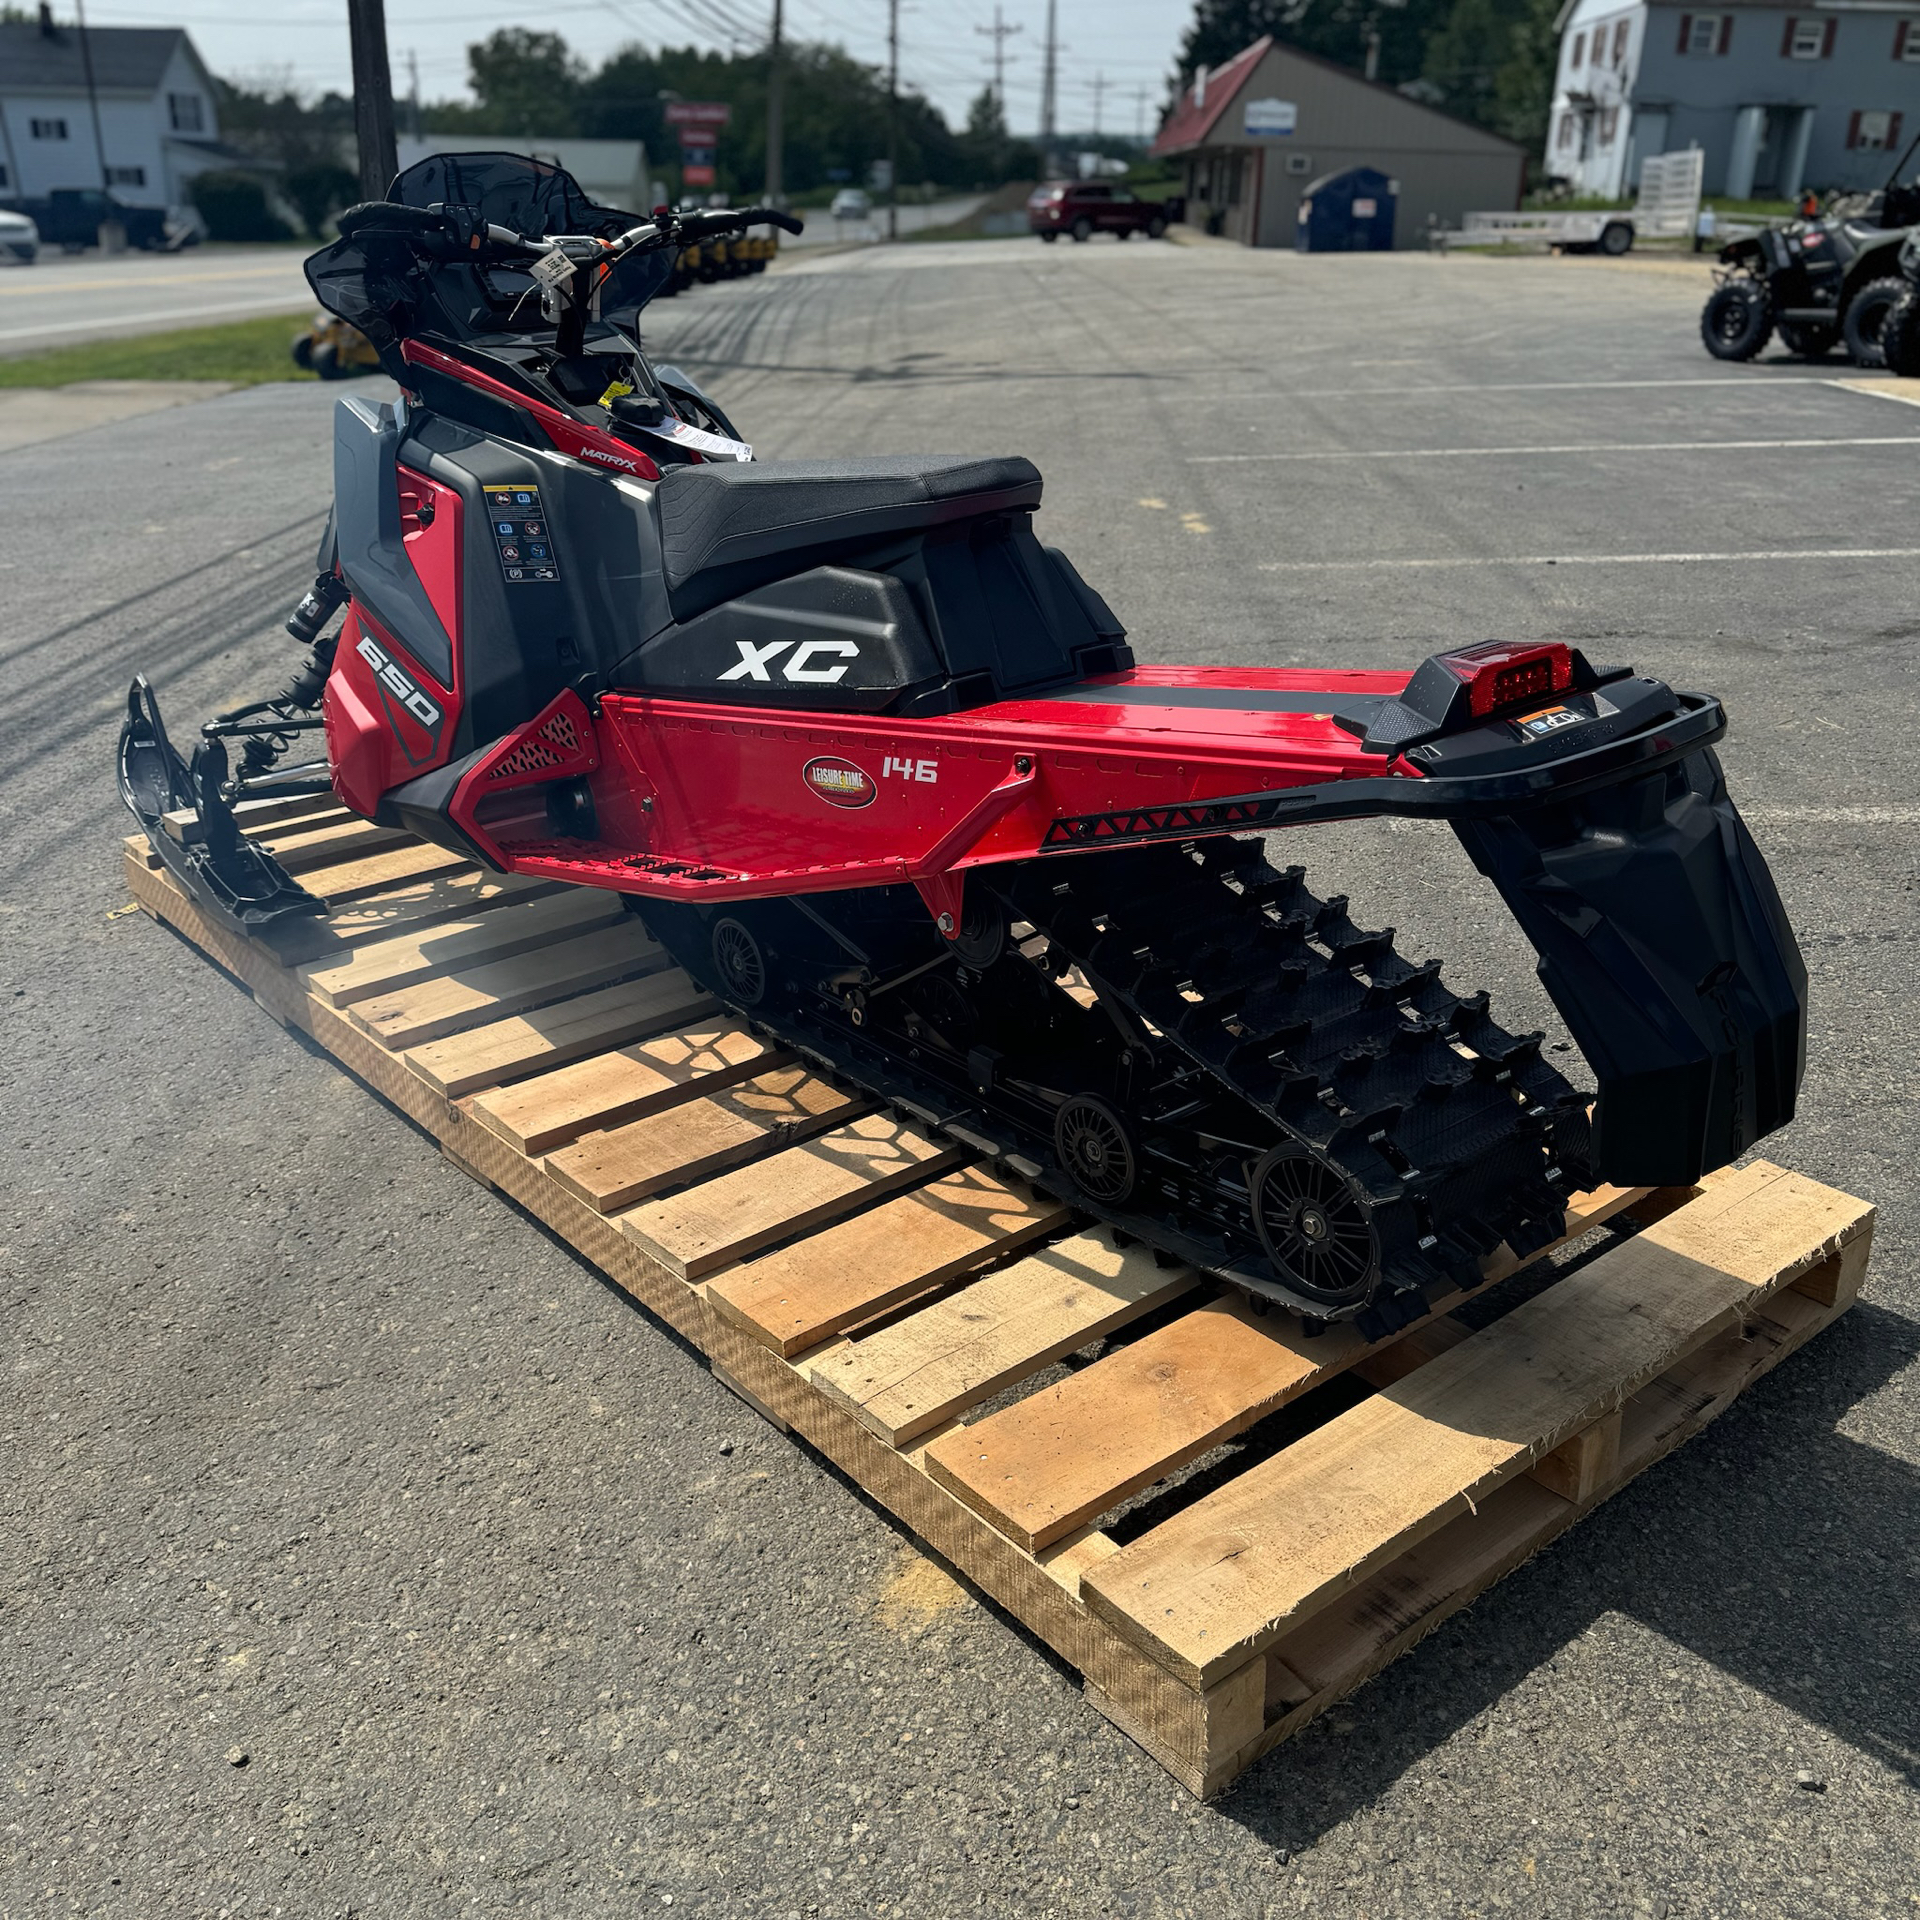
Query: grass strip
245, 352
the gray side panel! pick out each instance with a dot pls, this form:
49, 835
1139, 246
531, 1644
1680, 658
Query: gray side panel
373, 557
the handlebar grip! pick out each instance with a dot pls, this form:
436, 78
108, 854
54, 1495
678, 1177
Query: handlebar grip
391, 217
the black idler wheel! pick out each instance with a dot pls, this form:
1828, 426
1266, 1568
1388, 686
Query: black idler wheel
1315, 1228
739, 962
1095, 1147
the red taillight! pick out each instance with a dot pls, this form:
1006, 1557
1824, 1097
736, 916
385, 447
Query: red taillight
1501, 673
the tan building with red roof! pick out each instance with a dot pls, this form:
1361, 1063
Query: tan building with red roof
1257, 131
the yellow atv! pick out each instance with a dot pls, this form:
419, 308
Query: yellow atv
333, 349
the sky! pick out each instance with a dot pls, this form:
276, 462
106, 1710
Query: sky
946, 46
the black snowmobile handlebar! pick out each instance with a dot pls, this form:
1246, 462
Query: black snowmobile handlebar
441, 224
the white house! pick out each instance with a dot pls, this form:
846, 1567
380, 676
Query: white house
145, 128
1777, 94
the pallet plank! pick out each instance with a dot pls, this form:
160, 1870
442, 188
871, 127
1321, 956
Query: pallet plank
298, 846
411, 1016
376, 872
414, 957
1214, 1585
725, 1221
1063, 1456
404, 909
610, 1089
909, 1377
529, 1043
807, 1293
701, 1137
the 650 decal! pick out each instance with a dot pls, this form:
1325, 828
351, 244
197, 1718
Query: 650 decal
401, 695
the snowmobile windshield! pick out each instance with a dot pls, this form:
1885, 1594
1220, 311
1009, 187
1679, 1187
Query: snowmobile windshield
395, 280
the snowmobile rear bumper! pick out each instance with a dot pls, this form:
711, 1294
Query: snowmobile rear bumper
1661, 937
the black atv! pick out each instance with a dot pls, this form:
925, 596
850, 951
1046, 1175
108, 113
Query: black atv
1816, 282
1900, 336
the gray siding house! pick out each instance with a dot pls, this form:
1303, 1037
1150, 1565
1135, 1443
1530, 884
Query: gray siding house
1254, 131
1778, 95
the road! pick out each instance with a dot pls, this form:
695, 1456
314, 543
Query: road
326, 1458
91, 296
822, 230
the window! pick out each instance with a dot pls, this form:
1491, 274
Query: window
1579, 50
1706, 32
126, 176
1569, 125
1609, 124
1906, 42
47, 129
1873, 130
184, 111
1619, 43
1807, 39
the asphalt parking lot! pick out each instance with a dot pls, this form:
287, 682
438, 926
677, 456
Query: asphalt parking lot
364, 1553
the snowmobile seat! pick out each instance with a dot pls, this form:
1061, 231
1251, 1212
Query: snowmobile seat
727, 529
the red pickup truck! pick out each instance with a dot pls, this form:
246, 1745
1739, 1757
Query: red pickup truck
1083, 208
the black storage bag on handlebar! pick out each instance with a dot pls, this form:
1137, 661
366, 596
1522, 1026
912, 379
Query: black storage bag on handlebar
391, 280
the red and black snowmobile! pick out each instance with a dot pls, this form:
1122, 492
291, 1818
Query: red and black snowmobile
878, 768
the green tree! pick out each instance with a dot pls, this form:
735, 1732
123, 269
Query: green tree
525, 83
1334, 29
307, 141
1492, 62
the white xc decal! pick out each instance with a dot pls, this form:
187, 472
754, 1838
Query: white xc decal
754, 660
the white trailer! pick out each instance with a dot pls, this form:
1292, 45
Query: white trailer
1604, 232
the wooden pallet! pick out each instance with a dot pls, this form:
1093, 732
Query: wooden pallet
905, 1308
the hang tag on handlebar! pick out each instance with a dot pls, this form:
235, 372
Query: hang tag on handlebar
551, 268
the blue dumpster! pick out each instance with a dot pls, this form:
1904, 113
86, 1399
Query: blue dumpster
1348, 212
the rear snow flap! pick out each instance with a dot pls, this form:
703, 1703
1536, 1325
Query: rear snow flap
1664, 945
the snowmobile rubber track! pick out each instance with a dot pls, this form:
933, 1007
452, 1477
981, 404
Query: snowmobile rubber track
906, 1321
1458, 1134
1430, 1133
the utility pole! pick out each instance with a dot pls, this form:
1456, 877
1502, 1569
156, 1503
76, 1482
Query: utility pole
1047, 78
372, 97
999, 34
1373, 51
1097, 86
93, 96
776, 133
893, 119
413, 93
1140, 113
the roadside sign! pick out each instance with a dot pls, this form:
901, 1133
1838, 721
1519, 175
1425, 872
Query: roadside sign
708, 114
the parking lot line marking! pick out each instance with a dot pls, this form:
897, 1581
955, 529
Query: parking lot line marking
1747, 382
1586, 559
1509, 453
1874, 391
